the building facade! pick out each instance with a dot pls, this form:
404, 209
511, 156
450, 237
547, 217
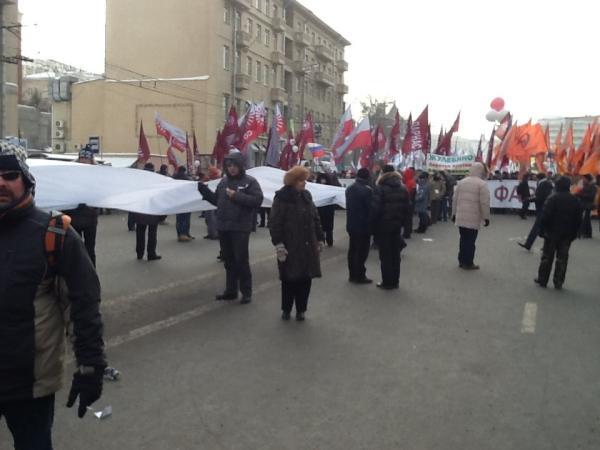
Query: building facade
580, 124
10, 66
189, 61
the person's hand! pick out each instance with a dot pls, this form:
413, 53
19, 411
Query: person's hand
203, 188
282, 253
87, 385
486, 223
230, 192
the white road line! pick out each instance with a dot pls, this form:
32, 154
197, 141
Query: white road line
529, 318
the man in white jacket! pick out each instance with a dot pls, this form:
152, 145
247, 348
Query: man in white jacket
471, 207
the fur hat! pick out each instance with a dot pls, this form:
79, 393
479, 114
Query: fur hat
296, 174
13, 157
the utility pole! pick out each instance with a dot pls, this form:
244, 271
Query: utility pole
234, 15
2, 3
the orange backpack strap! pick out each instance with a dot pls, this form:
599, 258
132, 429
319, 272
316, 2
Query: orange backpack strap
54, 239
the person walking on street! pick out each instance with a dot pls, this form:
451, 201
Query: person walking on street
389, 207
422, 199
296, 233
358, 204
450, 182
524, 195
327, 213
210, 217
183, 220
438, 193
560, 224
35, 315
408, 178
237, 197
148, 222
542, 192
587, 197
471, 207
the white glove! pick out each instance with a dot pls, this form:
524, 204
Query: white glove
281, 252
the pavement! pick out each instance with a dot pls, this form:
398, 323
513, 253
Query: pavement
452, 360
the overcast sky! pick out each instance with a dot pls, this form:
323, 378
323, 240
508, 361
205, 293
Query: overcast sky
542, 57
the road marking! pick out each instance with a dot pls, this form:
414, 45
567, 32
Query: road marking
194, 313
529, 318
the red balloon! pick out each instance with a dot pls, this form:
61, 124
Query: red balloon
497, 104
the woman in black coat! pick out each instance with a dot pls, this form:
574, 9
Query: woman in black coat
327, 213
297, 236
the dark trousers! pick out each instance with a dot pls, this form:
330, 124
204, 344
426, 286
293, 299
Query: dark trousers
535, 229
466, 252
140, 239
182, 224
30, 422
130, 221
88, 234
234, 248
524, 208
295, 292
210, 217
445, 209
560, 249
436, 206
358, 252
263, 213
408, 222
390, 245
586, 224
423, 222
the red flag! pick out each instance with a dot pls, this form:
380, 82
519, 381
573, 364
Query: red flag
307, 134
344, 129
407, 144
359, 138
490, 149
255, 124
143, 147
196, 150
174, 136
419, 132
231, 129
287, 158
219, 149
394, 147
444, 146
172, 158
568, 149
189, 156
280, 121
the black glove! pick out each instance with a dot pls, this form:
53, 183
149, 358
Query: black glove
87, 385
453, 219
202, 188
486, 223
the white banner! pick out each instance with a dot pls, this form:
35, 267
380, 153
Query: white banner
503, 194
62, 185
452, 164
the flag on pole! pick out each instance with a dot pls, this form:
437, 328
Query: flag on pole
143, 147
479, 155
407, 143
174, 136
316, 150
344, 129
189, 156
490, 151
307, 134
280, 121
419, 131
273, 146
444, 146
287, 157
196, 150
394, 141
359, 138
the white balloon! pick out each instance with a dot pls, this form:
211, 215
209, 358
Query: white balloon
492, 116
501, 115
295, 149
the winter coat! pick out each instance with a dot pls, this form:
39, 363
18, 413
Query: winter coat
523, 190
358, 205
294, 222
83, 216
327, 217
422, 197
236, 213
587, 196
471, 200
438, 190
33, 319
542, 192
390, 204
146, 219
562, 217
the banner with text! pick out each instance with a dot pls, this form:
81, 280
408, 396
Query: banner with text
452, 164
504, 194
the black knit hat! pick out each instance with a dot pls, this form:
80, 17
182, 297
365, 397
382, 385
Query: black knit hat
13, 157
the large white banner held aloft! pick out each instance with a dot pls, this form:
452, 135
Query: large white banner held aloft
63, 185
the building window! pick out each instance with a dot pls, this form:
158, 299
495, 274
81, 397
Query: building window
266, 74
249, 26
238, 21
227, 15
226, 58
268, 38
249, 66
258, 32
313, 37
258, 72
259, 4
238, 62
297, 84
225, 104
268, 8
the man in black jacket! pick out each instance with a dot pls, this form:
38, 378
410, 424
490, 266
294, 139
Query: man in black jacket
237, 197
587, 197
389, 207
183, 220
542, 192
561, 219
524, 195
33, 322
358, 204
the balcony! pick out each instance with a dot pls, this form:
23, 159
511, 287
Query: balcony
324, 53
299, 67
243, 39
242, 82
342, 65
278, 58
324, 78
302, 39
341, 88
278, 95
241, 5
278, 24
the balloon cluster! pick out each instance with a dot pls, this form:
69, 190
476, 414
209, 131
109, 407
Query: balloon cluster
497, 112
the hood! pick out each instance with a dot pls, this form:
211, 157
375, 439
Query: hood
390, 179
238, 159
478, 170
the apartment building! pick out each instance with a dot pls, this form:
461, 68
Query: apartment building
10, 65
190, 60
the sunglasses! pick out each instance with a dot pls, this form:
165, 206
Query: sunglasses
10, 176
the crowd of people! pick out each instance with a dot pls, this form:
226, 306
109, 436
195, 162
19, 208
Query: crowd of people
52, 286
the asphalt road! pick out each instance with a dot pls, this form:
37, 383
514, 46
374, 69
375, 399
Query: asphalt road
452, 360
